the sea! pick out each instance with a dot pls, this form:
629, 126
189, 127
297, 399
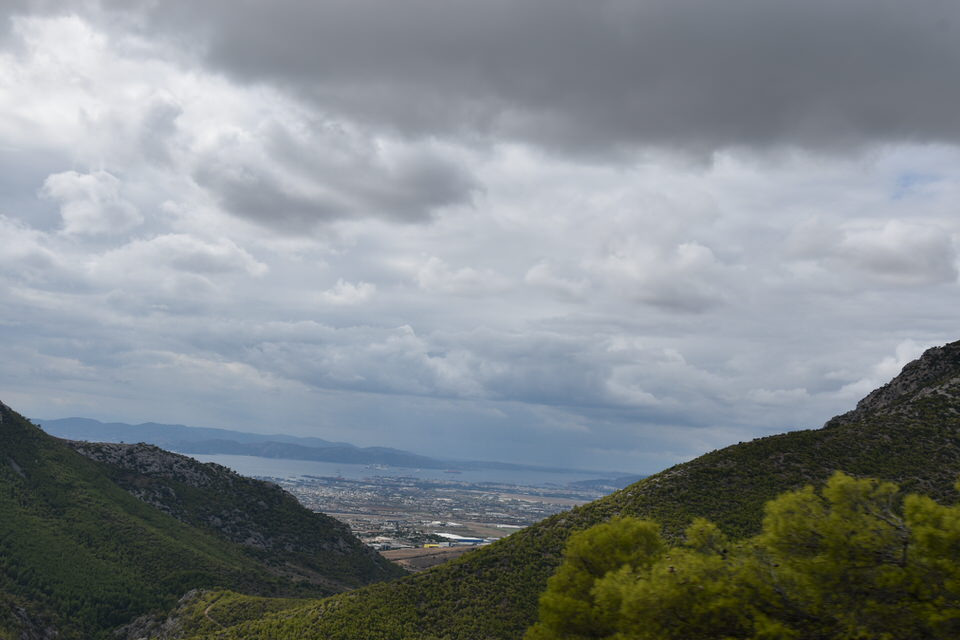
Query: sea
282, 468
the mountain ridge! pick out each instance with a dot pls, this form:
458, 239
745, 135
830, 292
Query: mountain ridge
936, 365
907, 432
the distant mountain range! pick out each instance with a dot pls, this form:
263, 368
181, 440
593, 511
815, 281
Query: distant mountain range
202, 440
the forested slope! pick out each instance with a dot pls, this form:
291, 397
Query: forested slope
80, 554
269, 522
908, 432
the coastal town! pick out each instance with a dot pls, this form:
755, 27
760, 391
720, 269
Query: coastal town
420, 522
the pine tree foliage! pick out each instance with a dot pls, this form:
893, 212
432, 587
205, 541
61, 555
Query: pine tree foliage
858, 560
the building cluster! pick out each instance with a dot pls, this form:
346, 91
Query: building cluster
390, 512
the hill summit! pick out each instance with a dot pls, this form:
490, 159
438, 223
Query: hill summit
907, 431
936, 372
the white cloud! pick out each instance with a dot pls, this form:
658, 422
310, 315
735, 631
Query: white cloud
91, 204
778, 396
435, 275
347, 293
542, 275
176, 252
893, 252
686, 277
902, 253
23, 251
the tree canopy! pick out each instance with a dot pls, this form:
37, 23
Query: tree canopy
858, 560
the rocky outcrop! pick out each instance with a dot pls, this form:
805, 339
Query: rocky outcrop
80, 555
257, 514
148, 460
164, 479
933, 373
32, 629
160, 626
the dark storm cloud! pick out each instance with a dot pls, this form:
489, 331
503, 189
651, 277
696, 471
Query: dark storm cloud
696, 74
291, 177
259, 198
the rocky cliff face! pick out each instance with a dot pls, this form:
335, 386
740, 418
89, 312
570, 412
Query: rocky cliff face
936, 372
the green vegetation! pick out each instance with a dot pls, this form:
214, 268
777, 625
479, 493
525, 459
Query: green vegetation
912, 438
269, 522
78, 552
857, 561
81, 555
201, 612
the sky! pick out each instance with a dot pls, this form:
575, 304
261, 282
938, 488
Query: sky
611, 234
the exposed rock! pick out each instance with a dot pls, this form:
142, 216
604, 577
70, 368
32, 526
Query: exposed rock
934, 373
159, 626
16, 467
149, 460
153, 475
28, 627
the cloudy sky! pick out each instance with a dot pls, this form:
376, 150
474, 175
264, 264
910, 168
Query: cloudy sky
610, 234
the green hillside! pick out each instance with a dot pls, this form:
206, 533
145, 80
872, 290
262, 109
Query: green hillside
79, 554
908, 432
267, 521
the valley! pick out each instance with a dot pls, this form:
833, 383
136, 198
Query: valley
904, 432
257, 562
405, 513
